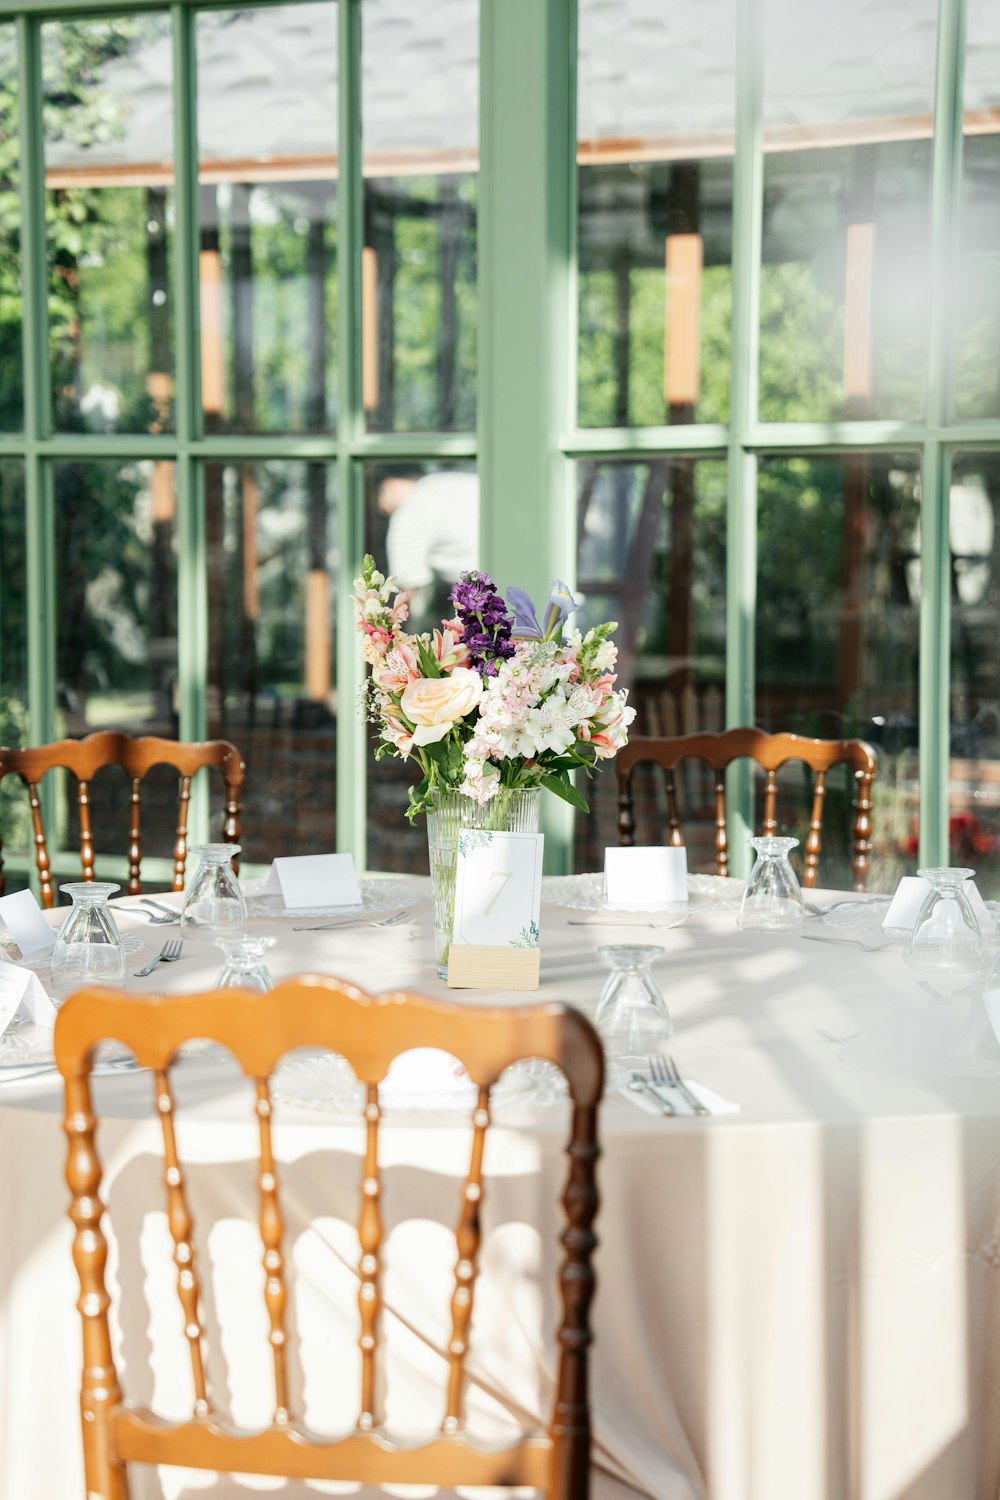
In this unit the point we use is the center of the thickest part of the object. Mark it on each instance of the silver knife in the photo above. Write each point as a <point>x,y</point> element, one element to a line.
<point>638,1082</point>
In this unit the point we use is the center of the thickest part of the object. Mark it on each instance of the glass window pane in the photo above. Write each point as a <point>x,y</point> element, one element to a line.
<point>656,120</point>
<point>974,779</point>
<point>116,597</point>
<point>13,606</point>
<point>848,107</point>
<point>15,819</point>
<point>977,284</point>
<point>267,131</point>
<point>420,109</point>
<point>272,565</point>
<point>651,554</point>
<point>11,359</point>
<point>421,525</point>
<point>838,598</point>
<point>109,206</point>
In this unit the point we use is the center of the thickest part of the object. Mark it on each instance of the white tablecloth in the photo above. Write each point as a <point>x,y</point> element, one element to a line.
<point>798,1302</point>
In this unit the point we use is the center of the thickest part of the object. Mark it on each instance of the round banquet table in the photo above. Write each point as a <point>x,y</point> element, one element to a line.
<point>798,1301</point>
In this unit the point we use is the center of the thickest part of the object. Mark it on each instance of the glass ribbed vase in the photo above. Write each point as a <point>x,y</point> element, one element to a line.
<point>510,811</point>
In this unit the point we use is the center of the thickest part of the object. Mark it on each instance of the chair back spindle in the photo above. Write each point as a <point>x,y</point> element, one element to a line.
<point>370,1240</point>
<point>271,1232</point>
<point>468,1236</point>
<point>181,1226</point>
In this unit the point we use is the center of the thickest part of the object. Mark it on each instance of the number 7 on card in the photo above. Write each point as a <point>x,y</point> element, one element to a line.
<point>498,885</point>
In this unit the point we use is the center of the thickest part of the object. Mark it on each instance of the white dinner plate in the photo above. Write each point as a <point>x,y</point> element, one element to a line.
<point>863,920</point>
<point>376,896</point>
<point>26,1045</point>
<point>586,893</point>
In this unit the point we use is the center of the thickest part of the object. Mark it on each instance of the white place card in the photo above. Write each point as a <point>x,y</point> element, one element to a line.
<point>28,927</point>
<point>498,893</point>
<point>22,995</point>
<point>909,898</point>
<point>645,879</point>
<point>315,880</point>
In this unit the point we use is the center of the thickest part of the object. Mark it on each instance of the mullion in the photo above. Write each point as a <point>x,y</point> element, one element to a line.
<point>935,593</point>
<point>192,561</point>
<point>38,487</point>
<point>352,766</point>
<point>741,463</point>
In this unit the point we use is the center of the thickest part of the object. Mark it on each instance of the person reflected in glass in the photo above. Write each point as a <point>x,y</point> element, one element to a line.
<point>433,536</point>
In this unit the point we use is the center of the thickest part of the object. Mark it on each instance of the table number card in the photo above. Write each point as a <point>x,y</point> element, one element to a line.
<point>498,893</point>
<point>315,880</point>
<point>645,879</point>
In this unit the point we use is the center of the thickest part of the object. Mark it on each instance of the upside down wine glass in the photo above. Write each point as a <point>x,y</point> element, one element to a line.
<point>772,901</point>
<point>632,1017</point>
<point>89,946</point>
<point>946,938</point>
<point>214,901</point>
<point>244,967</point>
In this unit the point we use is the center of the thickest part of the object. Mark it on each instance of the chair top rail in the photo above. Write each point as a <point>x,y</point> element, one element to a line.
<point>770,751</point>
<point>315,1010</point>
<point>86,756</point>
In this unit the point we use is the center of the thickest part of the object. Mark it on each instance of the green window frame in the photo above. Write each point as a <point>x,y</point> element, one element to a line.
<point>527,440</point>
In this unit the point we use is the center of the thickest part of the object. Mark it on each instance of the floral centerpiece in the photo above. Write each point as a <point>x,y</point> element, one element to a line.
<point>491,707</point>
<point>493,700</point>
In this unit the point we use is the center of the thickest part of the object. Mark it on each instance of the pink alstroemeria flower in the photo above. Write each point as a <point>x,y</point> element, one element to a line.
<point>398,669</point>
<point>448,648</point>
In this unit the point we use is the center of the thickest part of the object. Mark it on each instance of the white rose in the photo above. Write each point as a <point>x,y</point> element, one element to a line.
<point>434,704</point>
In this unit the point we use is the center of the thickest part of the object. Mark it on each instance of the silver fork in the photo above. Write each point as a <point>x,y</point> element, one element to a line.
<point>664,1072</point>
<point>171,911</point>
<point>170,951</point>
<point>397,916</point>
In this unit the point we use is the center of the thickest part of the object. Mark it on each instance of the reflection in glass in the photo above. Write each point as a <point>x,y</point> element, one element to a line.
<point>271,566</point>
<point>109,210</point>
<point>11,412</point>
<point>848,102</point>
<point>974,777</point>
<point>977,282</point>
<point>838,591</point>
<point>651,554</point>
<point>656,119</point>
<point>267,132</point>
<point>116,597</point>
<point>422,523</point>
<point>15,822</point>
<point>420,109</point>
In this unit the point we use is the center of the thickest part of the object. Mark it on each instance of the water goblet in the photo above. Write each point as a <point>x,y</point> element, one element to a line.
<point>632,1017</point>
<point>244,966</point>
<point>214,901</point>
<point>946,939</point>
<point>772,901</point>
<point>89,948</point>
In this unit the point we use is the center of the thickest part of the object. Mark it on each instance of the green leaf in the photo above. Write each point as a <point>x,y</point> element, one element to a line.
<point>428,661</point>
<point>566,791</point>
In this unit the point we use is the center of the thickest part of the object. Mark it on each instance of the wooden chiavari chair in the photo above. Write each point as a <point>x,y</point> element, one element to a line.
<point>84,758</point>
<point>770,752</point>
<point>258,1029</point>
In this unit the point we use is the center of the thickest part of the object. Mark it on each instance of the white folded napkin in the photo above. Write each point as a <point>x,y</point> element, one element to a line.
<point>714,1103</point>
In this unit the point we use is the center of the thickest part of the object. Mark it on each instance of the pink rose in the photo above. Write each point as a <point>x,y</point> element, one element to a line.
<point>434,704</point>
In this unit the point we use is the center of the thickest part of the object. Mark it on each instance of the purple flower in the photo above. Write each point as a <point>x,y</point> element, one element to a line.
<point>486,624</point>
<point>558,606</point>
